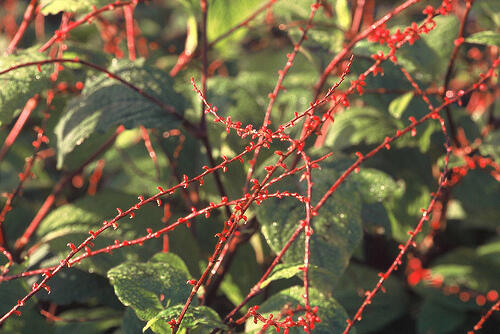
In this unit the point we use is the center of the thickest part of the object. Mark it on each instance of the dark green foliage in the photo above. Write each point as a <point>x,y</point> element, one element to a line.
<point>143,286</point>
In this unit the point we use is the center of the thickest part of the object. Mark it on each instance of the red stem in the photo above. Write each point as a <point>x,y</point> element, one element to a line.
<point>358,15</point>
<point>449,70</point>
<point>61,32</point>
<point>128,12</point>
<point>28,16</point>
<point>49,201</point>
<point>279,86</point>
<point>18,126</point>
<point>480,323</point>
<point>397,261</point>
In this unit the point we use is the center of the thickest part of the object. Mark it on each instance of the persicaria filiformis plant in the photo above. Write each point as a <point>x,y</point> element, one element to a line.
<point>257,166</point>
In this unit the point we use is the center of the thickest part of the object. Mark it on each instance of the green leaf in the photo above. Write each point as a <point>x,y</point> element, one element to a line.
<point>399,104</point>
<point>373,185</point>
<point>491,146</point>
<point>225,14</point>
<point>31,321</point>
<point>72,223</point>
<point>481,211</point>
<point>151,287</point>
<point>52,7</point>
<point>337,227</point>
<point>376,219</point>
<point>105,320</point>
<point>485,38</point>
<point>199,319</point>
<point>10,293</point>
<point>439,319</point>
<point>343,14</point>
<point>283,270</point>
<point>131,324</point>
<point>491,251</point>
<point>332,314</point>
<point>436,46</point>
<point>17,86</point>
<point>77,286</point>
<point>361,125</point>
<point>385,307</point>
<point>106,103</point>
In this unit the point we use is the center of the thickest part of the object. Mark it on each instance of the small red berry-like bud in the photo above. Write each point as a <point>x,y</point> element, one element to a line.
<point>459,41</point>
